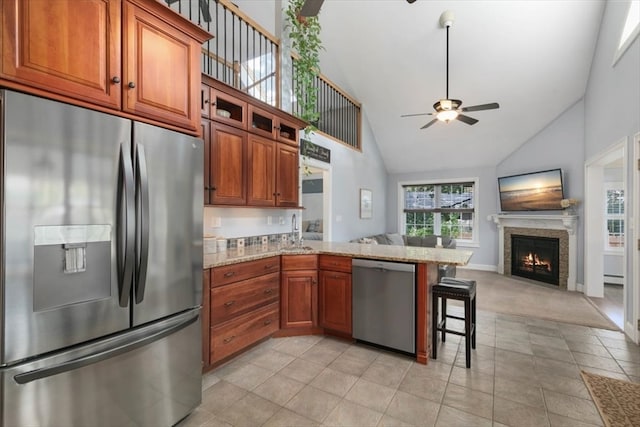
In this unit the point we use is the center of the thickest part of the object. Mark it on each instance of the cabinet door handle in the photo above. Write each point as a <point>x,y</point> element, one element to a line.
<point>131,85</point>
<point>267,322</point>
<point>213,188</point>
<point>207,188</point>
<point>228,340</point>
<point>268,291</point>
<point>229,274</point>
<point>269,266</point>
<point>115,79</point>
<point>314,282</point>
<point>229,303</point>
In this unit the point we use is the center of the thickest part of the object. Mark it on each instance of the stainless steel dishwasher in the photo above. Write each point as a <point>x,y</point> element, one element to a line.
<point>384,304</point>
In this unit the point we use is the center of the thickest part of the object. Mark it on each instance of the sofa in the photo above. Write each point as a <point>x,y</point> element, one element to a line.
<point>444,270</point>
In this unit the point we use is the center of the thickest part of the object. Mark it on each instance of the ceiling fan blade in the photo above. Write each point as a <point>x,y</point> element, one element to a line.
<point>429,124</point>
<point>418,114</point>
<point>481,107</point>
<point>311,7</point>
<point>466,119</point>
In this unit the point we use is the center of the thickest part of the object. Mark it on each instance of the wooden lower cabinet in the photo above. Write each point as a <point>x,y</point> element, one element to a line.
<point>299,293</point>
<point>232,336</point>
<point>335,301</point>
<point>243,307</point>
<point>299,299</point>
<point>335,293</point>
<point>204,316</point>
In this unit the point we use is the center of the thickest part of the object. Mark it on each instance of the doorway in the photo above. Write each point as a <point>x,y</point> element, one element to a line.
<point>605,238</point>
<point>316,199</point>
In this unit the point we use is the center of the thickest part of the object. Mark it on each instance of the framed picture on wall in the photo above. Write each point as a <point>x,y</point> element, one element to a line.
<point>366,204</point>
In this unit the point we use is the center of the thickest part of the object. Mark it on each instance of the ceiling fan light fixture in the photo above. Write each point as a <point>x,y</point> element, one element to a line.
<point>447,115</point>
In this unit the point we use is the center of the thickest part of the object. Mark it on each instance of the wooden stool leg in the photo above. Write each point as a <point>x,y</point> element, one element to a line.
<point>473,321</point>
<point>444,318</point>
<point>434,326</point>
<point>467,330</point>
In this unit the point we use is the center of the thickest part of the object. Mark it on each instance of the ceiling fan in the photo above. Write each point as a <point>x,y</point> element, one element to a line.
<point>449,109</point>
<point>311,7</point>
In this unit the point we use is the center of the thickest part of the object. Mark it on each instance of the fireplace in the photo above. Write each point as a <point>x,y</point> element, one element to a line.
<point>536,258</point>
<point>561,227</point>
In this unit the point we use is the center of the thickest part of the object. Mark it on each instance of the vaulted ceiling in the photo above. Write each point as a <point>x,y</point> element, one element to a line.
<point>532,57</point>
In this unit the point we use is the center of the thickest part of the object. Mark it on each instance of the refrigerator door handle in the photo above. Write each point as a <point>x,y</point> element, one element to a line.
<point>38,374</point>
<point>142,209</point>
<point>125,212</point>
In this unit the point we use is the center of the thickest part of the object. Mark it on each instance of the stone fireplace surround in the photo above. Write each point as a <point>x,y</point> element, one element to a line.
<point>562,227</point>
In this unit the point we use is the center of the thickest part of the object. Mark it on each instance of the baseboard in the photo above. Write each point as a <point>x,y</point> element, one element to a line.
<point>613,280</point>
<point>482,267</point>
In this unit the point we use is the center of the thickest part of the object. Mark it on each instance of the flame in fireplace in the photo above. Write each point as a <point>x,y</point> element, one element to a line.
<point>532,260</point>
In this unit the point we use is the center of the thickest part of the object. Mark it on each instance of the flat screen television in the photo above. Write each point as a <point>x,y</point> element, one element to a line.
<point>535,191</point>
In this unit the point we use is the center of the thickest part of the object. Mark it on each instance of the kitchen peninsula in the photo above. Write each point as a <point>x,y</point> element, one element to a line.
<point>272,290</point>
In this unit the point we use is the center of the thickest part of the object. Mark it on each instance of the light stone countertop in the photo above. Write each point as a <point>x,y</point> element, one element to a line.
<point>354,250</point>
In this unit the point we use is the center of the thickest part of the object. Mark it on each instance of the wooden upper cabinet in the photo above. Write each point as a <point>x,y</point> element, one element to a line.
<point>261,171</point>
<point>228,109</point>
<point>136,56</point>
<point>206,138</point>
<point>161,77</point>
<point>227,171</point>
<point>287,175</point>
<point>262,122</point>
<point>69,47</point>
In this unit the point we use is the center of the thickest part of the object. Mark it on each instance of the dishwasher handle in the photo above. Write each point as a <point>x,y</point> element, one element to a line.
<point>383,265</point>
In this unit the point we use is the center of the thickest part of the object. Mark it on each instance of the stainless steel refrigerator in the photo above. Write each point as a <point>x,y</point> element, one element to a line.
<point>101,268</point>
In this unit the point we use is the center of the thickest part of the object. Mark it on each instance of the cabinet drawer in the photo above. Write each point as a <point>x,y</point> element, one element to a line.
<point>242,331</point>
<point>335,263</point>
<point>244,270</point>
<point>299,262</point>
<point>237,298</point>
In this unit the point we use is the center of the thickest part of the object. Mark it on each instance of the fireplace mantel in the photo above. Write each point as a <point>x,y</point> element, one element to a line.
<point>569,223</point>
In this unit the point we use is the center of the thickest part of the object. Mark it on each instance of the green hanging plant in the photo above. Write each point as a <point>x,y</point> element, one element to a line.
<point>304,33</point>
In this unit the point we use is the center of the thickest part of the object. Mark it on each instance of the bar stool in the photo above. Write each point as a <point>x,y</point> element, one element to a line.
<point>459,289</point>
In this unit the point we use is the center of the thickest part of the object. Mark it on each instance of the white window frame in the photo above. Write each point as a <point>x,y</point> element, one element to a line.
<point>616,250</point>
<point>475,241</point>
<point>623,45</point>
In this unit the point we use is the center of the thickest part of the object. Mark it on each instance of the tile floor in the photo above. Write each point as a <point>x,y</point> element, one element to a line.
<point>524,372</point>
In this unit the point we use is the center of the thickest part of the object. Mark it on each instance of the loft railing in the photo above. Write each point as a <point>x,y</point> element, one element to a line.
<point>339,113</point>
<point>244,55</point>
<point>241,53</point>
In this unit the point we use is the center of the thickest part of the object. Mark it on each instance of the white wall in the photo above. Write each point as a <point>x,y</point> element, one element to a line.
<point>351,171</point>
<point>243,222</point>
<point>559,145</point>
<point>612,106</point>
<point>485,256</point>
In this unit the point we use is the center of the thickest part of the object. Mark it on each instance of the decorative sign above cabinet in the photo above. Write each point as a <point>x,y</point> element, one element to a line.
<point>315,151</point>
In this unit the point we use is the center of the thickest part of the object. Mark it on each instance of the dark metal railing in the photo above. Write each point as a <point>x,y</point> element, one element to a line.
<point>339,114</point>
<point>244,55</point>
<point>241,53</point>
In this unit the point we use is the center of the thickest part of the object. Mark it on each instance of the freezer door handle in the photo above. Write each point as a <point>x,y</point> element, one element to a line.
<point>38,374</point>
<point>142,219</point>
<point>125,226</point>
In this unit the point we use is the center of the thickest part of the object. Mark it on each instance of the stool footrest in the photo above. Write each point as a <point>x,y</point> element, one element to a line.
<point>455,317</point>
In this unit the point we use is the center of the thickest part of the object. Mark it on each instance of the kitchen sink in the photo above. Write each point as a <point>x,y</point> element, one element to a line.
<point>296,249</point>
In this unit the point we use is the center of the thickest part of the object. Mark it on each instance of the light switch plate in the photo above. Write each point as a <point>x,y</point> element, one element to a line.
<point>240,243</point>
<point>265,240</point>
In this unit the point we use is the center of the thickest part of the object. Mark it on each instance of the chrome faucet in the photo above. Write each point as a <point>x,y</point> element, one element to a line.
<point>294,229</point>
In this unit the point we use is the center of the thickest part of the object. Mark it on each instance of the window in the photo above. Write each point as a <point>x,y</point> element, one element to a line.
<point>614,217</point>
<point>630,30</point>
<point>443,209</point>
